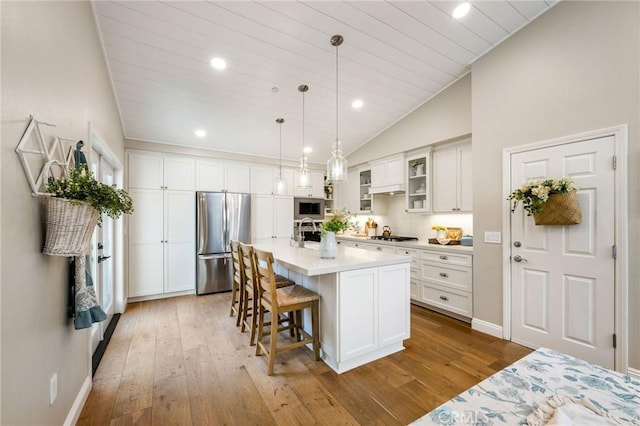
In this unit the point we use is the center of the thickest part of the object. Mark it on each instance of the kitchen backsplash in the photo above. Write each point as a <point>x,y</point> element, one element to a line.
<point>392,209</point>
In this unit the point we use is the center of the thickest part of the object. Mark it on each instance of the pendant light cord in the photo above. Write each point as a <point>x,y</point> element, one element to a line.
<point>337,133</point>
<point>280,149</point>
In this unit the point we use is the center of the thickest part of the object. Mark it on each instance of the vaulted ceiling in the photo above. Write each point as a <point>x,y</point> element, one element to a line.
<point>395,56</point>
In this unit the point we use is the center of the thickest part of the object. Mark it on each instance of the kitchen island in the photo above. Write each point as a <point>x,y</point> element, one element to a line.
<point>364,300</point>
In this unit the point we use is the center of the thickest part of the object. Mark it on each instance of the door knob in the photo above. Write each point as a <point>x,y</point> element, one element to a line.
<point>519,258</point>
<point>102,258</point>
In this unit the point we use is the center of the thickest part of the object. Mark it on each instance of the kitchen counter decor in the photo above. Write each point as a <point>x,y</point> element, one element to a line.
<point>550,202</point>
<point>75,206</point>
<point>340,222</point>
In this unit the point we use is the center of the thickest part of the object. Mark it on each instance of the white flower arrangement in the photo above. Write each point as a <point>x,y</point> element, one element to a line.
<point>535,193</point>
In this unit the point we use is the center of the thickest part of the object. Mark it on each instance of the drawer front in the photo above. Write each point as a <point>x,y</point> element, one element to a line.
<point>414,291</point>
<point>345,243</point>
<point>382,249</point>
<point>452,276</point>
<point>415,255</point>
<point>448,258</point>
<point>365,246</point>
<point>458,302</point>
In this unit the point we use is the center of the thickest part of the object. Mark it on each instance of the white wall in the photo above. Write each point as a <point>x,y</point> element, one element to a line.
<point>574,69</point>
<point>447,116</point>
<point>53,68</point>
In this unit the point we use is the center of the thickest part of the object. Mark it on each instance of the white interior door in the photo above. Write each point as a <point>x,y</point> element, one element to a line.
<point>101,255</point>
<point>563,288</point>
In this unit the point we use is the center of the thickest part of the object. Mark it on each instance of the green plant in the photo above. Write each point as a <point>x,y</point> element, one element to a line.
<point>81,186</point>
<point>340,222</point>
<point>416,162</point>
<point>535,193</point>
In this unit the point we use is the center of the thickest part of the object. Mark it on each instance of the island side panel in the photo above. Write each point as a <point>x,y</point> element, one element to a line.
<point>394,317</point>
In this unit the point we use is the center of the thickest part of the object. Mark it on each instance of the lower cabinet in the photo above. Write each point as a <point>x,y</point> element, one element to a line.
<point>439,280</point>
<point>373,308</point>
<point>445,282</point>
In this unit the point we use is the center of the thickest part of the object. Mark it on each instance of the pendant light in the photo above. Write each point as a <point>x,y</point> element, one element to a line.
<point>336,164</point>
<point>303,180</point>
<point>280,183</point>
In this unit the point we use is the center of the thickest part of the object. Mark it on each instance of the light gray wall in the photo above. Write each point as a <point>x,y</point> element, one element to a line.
<point>53,68</point>
<point>446,116</point>
<point>574,69</point>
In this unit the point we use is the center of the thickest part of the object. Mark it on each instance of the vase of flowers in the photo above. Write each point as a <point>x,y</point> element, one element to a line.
<point>549,201</point>
<point>441,231</point>
<point>340,222</point>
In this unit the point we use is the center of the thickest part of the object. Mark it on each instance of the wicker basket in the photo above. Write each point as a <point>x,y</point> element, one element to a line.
<point>69,227</point>
<point>560,209</point>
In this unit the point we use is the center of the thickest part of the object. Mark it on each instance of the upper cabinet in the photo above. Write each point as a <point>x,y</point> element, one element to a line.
<point>316,188</point>
<point>216,175</point>
<point>151,170</point>
<point>365,196</point>
<point>418,187</point>
<point>263,179</point>
<point>452,178</point>
<point>387,174</point>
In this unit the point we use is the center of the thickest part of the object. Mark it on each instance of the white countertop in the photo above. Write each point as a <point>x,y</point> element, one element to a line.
<point>307,260</point>
<point>410,244</point>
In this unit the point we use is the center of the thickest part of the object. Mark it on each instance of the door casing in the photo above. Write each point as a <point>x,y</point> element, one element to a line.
<point>620,135</point>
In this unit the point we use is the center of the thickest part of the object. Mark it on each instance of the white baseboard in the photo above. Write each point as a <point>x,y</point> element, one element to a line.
<point>633,373</point>
<point>486,327</point>
<point>78,404</point>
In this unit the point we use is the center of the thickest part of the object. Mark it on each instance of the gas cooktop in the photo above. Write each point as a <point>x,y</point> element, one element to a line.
<point>394,238</point>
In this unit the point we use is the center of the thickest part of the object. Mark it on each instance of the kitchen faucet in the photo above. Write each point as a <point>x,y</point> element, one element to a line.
<point>300,237</point>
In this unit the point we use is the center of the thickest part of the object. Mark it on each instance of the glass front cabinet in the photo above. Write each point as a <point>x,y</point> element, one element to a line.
<point>418,184</point>
<point>366,198</point>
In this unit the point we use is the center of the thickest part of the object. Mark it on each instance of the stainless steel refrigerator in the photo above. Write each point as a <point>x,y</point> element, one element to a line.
<point>220,218</point>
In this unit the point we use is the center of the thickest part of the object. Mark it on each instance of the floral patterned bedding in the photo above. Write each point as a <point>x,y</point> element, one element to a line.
<point>526,386</point>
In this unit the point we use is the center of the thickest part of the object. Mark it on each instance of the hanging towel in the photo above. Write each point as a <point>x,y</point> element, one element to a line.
<point>88,309</point>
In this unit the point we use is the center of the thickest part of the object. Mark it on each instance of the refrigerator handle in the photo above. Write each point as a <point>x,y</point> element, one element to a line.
<point>225,219</point>
<point>202,227</point>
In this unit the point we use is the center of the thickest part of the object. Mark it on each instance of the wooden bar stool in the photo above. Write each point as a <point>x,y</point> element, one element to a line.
<point>249,291</point>
<point>236,285</point>
<point>293,298</point>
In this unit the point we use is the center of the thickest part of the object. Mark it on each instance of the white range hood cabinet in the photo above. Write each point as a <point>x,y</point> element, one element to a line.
<point>388,175</point>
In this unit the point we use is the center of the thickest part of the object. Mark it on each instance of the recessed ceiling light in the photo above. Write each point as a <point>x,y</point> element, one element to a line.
<point>461,10</point>
<point>201,133</point>
<point>357,104</point>
<point>218,63</point>
<point>307,149</point>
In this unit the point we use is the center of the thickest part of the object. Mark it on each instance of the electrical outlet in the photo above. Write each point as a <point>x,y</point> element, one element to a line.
<point>492,237</point>
<point>53,388</point>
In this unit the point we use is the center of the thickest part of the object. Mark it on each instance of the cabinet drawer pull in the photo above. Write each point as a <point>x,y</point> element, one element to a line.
<point>379,248</point>
<point>443,257</point>
<point>445,298</point>
<point>444,275</point>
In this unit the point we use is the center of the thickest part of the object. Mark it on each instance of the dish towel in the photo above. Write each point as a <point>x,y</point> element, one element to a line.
<point>88,309</point>
<point>566,411</point>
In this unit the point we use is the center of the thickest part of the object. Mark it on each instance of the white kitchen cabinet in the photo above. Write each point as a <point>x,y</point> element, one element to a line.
<point>369,301</point>
<point>452,178</point>
<point>161,242</point>
<point>263,179</point>
<point>162,227</point>
<point>316,188</point>
<point>445,282</point>
<point>216,175</point>
<point>150,170</point>
<point>365,196</point>
<point>388,174</point>
<point>271,217</point>
<point>418,183</point>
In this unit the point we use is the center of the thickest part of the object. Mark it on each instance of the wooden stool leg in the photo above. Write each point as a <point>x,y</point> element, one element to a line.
<point>245,310</point>
<point>254,320</point>
<point>240,303</point>
<point>315,330</point>
<point>233,299</point>
<point>260,314</point>
<point>272,344</point>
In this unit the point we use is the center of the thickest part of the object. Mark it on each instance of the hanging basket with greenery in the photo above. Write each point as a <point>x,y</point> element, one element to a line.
<point>550,202</point>
<point>76,205</point>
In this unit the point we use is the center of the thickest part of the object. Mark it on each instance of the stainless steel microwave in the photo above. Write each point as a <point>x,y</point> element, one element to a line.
<point>312,208</point>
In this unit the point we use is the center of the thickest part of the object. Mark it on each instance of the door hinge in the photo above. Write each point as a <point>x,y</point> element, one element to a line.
<point>615,341</point>
<point>614,251</point>
<point>615,162</point>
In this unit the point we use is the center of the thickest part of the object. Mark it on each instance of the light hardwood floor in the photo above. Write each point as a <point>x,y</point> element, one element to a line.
<point>182,361</point>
